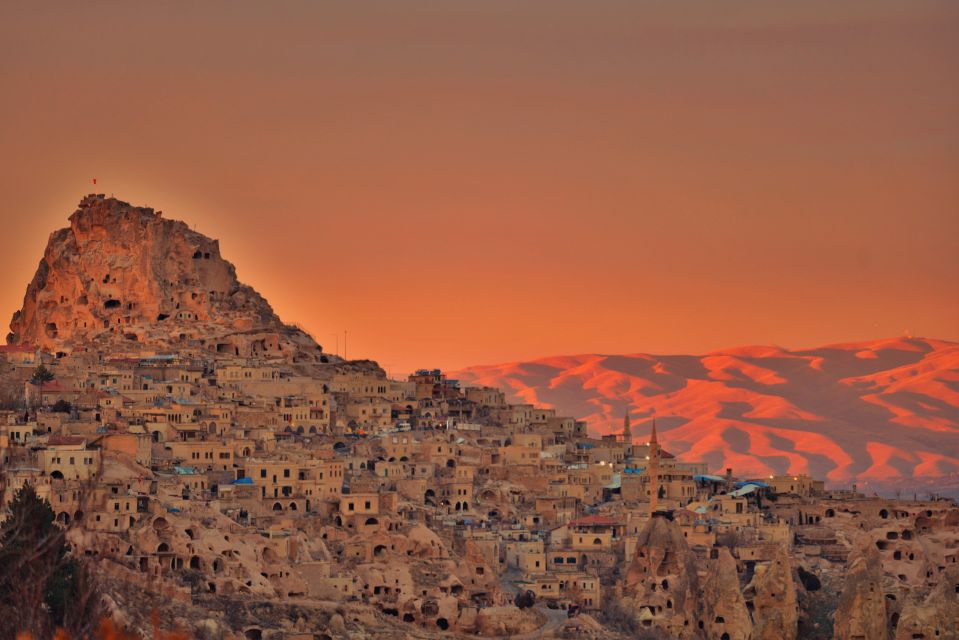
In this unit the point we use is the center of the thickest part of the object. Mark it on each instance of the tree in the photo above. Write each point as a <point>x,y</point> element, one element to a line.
<point>524,599</point>
<point>41,376</point>
<point>62,406</point>
<point>42,587</point>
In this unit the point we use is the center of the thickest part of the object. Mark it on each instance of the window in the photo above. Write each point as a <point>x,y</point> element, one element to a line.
<point>368,505</point>
<point>262,473</point>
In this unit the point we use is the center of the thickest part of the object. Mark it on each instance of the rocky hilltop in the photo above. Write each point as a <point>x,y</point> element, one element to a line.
<point>127,278</point>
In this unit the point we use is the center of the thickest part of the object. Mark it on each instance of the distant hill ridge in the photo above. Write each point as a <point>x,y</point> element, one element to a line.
<point>868,411</point>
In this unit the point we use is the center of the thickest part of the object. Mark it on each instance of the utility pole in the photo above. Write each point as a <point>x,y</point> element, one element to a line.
<point>344,345</point>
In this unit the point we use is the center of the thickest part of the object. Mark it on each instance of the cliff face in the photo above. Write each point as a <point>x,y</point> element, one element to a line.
<point>124,274</point>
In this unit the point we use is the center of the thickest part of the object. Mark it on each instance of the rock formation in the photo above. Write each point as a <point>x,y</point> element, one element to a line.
<point>772,597</point>
<point>937,615</point>
<point>661,582</point>
<point>125,276</point>
<point>862,610</point>
<point>725,613</point>
<point>502,622</point>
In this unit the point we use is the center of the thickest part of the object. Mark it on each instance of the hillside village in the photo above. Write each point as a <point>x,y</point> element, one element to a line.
<point>230,472</point>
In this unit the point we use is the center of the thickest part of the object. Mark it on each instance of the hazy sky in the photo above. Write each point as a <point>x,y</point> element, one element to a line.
<point>459,183</point>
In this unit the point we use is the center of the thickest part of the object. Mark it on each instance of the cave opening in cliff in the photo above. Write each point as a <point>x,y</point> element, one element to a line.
<point>111,304</point>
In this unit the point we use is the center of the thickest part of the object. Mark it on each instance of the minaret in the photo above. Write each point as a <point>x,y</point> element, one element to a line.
<point>627,439</point>
<point>653,471</point>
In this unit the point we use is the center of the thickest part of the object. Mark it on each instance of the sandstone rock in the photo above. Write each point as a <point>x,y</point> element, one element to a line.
<point>337,625</point>
<point>124,276</point>
<point>725,614</point>
<point>582,627</point>
<point>935,616</point>
<point>505,621</point>
<point>661,582</point>
<point>862,610</point>
<point>772,594</point>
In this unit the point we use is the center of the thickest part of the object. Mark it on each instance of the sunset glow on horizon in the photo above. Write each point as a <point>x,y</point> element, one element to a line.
<point>456,184</point>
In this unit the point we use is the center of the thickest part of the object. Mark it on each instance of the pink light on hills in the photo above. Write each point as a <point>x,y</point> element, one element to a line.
<point>872,410</point>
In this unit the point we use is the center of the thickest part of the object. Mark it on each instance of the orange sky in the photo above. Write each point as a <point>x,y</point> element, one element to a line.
<point>459,183</point>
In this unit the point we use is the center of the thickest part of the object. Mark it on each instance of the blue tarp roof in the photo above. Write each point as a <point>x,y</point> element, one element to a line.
<point>708,478</point>
<point>243,481</point>
<point>184,471</point>
<point>761,485</point>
